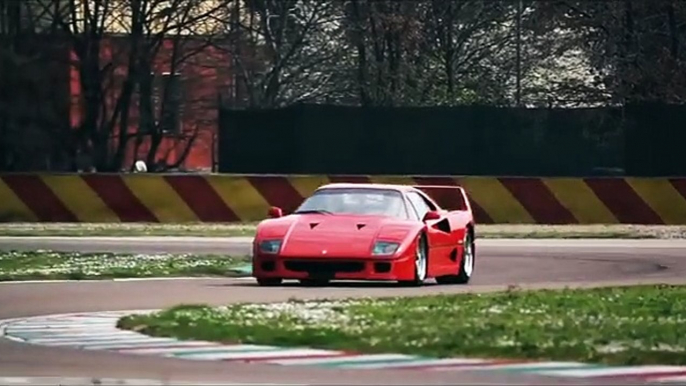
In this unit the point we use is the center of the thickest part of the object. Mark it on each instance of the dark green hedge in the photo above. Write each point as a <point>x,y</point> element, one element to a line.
<point>466,140</point>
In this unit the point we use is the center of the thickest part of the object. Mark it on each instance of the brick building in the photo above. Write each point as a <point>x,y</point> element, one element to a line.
<point>38,123</point>
<point>195,89</point>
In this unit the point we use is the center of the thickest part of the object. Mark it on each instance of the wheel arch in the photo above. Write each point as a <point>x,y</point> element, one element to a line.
<point>424,236</point>
<point>470,230</point>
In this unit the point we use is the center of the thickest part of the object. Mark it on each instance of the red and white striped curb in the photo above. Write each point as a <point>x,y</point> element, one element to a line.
<point>98,331</point>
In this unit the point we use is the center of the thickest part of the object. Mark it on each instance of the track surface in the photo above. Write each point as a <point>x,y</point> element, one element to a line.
<point>528,263</point>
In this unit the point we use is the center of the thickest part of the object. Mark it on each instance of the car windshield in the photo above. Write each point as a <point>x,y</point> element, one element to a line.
<point>355,201</point>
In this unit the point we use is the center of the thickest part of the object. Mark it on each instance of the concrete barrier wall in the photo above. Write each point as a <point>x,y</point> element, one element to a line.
<point>230,198</point>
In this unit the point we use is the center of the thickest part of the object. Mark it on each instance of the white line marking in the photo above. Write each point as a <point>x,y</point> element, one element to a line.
<point>353,358</point>
<point>71,319</point>
<point>48,325</point>
<point>86,343</point>
<point>125,279</point>
<point>678,378</point>
<point>123,347</point>
<point>15,339</point>
<point>77,314</point>
<point>76,334</point>
<point>620,371</point>
<point>420,363</point>
<point>36,331</point>
<point>83,336</point>
<point>128,239</point>
<point>88,339</point>
<point>255,355</point>
<point>513,366</point>
<point>584,243</point>
<point>43,326</point>
<point>69,381</point>
<point>61,326</point>
<point>237,348</point>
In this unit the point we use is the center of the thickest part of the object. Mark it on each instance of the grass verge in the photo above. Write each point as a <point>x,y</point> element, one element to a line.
<point>624,325</point>
<point>248,229</point>
<point>127,229</point>
<point>47,265</point>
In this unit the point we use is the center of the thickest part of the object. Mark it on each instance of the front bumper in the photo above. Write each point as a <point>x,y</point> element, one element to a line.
<point>381,269</point>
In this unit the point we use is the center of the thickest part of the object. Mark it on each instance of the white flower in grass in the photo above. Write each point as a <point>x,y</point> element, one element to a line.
<point>495,310</point>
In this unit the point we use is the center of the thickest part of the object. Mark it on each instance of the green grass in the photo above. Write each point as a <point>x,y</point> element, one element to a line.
<point>625,325</point>
<point>126,229</point>
<point>44,265</point>
<point>248,229</point>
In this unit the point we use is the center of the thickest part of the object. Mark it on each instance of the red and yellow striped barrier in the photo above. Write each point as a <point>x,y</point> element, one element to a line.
<point>230,198</point>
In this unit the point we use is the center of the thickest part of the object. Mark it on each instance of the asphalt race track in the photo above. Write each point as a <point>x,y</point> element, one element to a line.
<point>527,263</point>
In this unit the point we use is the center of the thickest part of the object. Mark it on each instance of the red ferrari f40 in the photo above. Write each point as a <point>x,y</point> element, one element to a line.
<point>353,231</point>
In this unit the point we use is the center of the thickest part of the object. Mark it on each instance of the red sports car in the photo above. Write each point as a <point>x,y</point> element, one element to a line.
<point>358,231</point>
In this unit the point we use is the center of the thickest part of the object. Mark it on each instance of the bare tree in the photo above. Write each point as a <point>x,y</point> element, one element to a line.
<point>634,48</point>
<point>284,51</point>
<point>471,41</point>
<point>386,38</point>
<point>116,44</point>
<point>34,126</point>
<point>184,34</point>
<point>430,52</point>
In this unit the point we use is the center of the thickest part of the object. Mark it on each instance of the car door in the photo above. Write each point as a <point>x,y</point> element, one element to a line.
<point>441,242</point>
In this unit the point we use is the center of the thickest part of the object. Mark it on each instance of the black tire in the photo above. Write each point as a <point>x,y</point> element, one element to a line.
<point>269,281</point>
<point>422,253</point>
<point>465,272</point>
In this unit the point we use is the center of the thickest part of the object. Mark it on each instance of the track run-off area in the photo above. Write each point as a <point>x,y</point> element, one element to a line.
<point>500,263</point>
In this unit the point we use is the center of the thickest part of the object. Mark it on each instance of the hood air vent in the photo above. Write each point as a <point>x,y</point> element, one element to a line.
<point>360,226</point>
<point>313,225</point>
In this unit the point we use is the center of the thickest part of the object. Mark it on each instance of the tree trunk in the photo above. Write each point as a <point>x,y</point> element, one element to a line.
<point>673,31</point>
<point>91,83</point>
<point>361,56</point>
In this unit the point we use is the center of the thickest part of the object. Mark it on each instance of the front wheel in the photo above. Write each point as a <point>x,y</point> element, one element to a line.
<point>466,268</point>
<point>421,263</point>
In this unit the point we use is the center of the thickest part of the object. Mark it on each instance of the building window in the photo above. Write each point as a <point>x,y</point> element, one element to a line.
<point>169,99</point>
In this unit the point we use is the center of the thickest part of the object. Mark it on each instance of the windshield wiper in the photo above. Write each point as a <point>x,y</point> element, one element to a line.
<point>322,211</point>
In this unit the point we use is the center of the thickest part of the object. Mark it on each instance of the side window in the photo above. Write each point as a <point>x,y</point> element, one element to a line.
<point>411,208</point>
<point>420,206</point>
<point>427,201</point>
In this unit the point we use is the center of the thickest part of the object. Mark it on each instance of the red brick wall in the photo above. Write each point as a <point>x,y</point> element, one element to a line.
<point>204,76</point>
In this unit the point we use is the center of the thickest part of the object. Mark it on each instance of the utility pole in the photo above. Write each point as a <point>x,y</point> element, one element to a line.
<point>518,60</point>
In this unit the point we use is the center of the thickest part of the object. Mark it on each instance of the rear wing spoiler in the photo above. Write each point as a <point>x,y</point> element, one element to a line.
<point>447,197</point>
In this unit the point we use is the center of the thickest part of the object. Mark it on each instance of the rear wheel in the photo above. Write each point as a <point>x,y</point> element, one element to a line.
<point>269,281</point>
<point>421,263</point>
<point>466,268</point>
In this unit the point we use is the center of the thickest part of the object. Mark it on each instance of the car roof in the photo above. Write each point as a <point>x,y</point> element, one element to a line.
<point>357,185</point>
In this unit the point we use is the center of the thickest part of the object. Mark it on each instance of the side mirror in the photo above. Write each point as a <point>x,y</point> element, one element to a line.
<point>275,212</point>
<point>432,215</point>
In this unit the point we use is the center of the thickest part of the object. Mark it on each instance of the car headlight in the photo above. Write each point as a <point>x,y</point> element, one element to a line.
<point>270,246</point>
<point>384,248</point>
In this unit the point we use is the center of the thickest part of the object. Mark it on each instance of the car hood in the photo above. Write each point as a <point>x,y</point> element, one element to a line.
<point>322,235</point>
